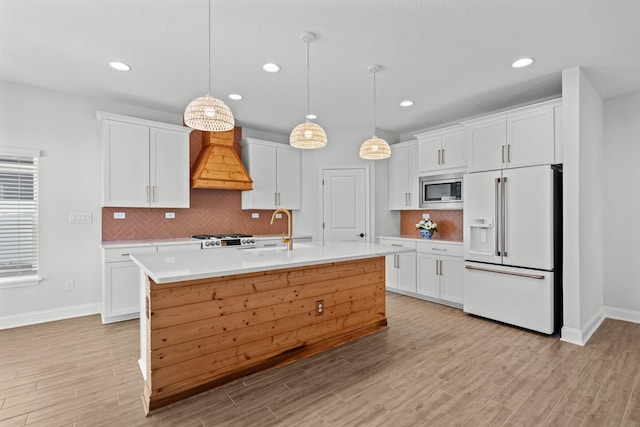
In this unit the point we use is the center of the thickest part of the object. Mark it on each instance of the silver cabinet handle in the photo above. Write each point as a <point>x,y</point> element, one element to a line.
<point>497,228</point>
<point>508,273</point>
<point>509,153</point>
<point>437,269</point>
<point>442,156</point>
<point>153,193</point>
<point>439,249</point>
<point>441,273</point>
<point>503,154</point>
<point>439,157</point>
<point>275,199</point>
<point>395,244</point>
<point>278,199</point>
<point>503,219</point>
<point>409,204</point>
<point>267,245</point>
<point>146,190</point>
<point>398,260</point>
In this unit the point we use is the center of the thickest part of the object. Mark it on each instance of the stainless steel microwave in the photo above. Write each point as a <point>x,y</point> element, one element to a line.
<point>441,192</point>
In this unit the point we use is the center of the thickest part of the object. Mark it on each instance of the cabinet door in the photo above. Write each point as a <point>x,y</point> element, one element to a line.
<point>488,145</point>
<point>413,185</point>
<point>530,139</point>
<point>452,279</point>
<point>121,292</point>
<point>125,157</point>
<point>398,178</point>
<point>288,178</point>
<point>169,169</point>
<point>390,272</point>
<point>261,165</point>
<point>454,150</point>
<point>429,154</point>
<point>428,280</point>
<point>406,267</point>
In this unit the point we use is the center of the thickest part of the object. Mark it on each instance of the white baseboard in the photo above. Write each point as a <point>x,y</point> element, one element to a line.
<point>49,315</point>
<point>593,325</point>
<point>581,336</point>
<point>571,335</point>
<point>622,314</point>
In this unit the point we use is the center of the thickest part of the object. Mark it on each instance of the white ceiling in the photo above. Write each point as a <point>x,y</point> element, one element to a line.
<point>451,57</point>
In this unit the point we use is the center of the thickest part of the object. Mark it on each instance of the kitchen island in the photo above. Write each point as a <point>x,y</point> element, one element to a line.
<point>211,316</point>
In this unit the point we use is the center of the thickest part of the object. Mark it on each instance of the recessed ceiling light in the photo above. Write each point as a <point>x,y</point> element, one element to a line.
<point>311,116</point>
<point>235,97</point>
<point>406,103</point>
<point>120,66</point>
<point>271,67</point>
<point>522,62</point>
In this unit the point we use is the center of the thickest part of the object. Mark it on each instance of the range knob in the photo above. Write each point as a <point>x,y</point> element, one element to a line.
<point>253,240</point>
<point>217,243</point>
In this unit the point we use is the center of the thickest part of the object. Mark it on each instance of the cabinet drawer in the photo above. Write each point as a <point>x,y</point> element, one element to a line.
<point>179,248</point>
<point>122,254</point>
<point>440,248</point>
<point>394,242</point>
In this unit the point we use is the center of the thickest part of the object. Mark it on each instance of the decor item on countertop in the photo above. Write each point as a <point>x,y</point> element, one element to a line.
<point>206,112</point>
<point>427,228</point>
<point>375,148</point>
<point>308,135</point>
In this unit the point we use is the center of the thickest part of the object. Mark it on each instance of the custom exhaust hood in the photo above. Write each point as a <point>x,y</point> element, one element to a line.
<point>218,165</point>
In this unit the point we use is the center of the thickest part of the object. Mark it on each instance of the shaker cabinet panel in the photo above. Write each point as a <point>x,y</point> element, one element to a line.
<point>488,141</point>
<point>403,177</point>
<point>276,174</point>
<point>144,163</point>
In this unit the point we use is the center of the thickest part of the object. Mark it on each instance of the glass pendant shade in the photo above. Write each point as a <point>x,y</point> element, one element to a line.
<point>308,135</point>
<point>209,114</point>
<point>375,149</point>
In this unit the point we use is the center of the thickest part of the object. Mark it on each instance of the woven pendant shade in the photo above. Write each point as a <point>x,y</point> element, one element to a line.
<point>308,135</point>
<point>208,114</point>
<point>375,149</point>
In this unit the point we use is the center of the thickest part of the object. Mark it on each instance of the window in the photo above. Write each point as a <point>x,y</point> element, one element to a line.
<point>18,216</point>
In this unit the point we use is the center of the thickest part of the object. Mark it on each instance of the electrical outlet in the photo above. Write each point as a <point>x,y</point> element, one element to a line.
<point>425,216</point>
<point>255,215</point>
<point>278,215</point>
<point>118,215</point>
<point>68,285</point>
<point>169,215</point>
<point>319,308</point>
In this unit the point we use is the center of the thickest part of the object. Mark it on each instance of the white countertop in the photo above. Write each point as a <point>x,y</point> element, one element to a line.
<point>412,237</point>
<point>168,267</point>
<point>115,244</point>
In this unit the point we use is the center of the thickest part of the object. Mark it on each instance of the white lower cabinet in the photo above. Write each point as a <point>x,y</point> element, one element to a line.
<point>400,269</point>
<point>121,282</point>
<point>440,272</point>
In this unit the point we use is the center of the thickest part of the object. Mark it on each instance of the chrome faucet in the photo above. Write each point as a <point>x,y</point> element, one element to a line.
<point>289,239</point>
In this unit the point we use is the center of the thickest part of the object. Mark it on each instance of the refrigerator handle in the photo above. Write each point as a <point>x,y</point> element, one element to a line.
<point>497,217</point>
<point>509,273</point>
<point>503,218</point>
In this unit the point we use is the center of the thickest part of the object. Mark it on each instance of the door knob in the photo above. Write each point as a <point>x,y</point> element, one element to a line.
<point>360,235</point>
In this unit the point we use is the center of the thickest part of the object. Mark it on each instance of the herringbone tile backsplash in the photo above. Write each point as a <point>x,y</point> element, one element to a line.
<point>211,212</point>
<point>449,223</point>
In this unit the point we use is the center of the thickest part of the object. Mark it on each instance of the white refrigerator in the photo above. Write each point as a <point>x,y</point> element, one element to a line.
<point>512,246</point>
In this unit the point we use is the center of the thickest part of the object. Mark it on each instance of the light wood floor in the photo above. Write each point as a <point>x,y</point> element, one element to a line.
<point>433,366</point>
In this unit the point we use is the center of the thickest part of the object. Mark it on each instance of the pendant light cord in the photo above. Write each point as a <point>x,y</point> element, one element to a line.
<point>307,117</point>
<point>209,44</point>
<point>374,104</point>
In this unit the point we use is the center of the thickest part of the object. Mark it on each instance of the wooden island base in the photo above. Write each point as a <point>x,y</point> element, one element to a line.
<point>203,333</point>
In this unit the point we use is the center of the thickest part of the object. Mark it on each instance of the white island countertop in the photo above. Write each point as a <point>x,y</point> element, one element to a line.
<point>169,267</point>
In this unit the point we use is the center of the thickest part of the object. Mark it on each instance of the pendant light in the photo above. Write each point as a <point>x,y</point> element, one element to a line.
<point>308,135</point>
<point>206,112</point>
<point>375,148</point>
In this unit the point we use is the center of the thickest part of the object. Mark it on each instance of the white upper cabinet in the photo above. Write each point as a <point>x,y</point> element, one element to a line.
<point>403,176</point>
<point>444,149</point>
<point>275,170</point>
<point>516,138</point>
<point>144,163</point>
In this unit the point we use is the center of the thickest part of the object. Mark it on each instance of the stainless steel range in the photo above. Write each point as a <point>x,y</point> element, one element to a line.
<point>212,241</point>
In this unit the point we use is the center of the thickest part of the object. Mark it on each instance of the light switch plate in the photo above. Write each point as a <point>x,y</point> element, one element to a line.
<point>118,215</point>
<point>80,218</point>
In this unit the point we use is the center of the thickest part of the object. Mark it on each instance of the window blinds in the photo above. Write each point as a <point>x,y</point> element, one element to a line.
<point>18,215</point>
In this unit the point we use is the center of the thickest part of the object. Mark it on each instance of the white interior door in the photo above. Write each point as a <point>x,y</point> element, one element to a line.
<point>344,205</point>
